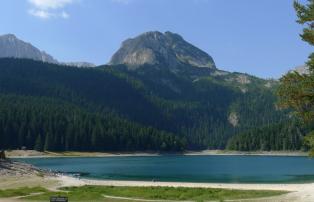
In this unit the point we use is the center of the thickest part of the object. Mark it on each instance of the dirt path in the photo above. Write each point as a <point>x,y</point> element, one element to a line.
<point>139,199</point>
<point>9,200</point>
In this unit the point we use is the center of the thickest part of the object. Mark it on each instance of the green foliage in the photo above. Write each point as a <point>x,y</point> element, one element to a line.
<point>295,92</point>
<point>21,191</point>
<point>309,141</point>
<point>305,15</point>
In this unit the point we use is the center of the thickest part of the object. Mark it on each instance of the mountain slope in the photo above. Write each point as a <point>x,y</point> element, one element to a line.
<point>156,48</point>
<point>161,106</point>
<point>12,47</point>
<point>44,123</point>
<point>74,109</point>
<point>200,114</point>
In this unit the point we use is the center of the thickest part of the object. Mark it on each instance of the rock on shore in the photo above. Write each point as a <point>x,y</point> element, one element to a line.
<point>13,168</point>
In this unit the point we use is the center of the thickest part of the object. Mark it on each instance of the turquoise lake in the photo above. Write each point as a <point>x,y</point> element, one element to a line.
<point>228,169</point>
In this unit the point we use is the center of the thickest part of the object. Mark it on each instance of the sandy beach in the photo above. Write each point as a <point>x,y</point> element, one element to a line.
<point>298,192</point>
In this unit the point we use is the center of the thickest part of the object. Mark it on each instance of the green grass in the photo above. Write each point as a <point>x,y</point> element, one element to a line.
<point>21,191</point>
<point>96,193</point>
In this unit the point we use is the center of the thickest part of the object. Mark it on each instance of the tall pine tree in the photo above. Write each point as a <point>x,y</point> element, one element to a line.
<point>296,90</point>
<point>39,144</point>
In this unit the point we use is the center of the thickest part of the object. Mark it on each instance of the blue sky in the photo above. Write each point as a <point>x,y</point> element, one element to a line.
<point>252,36</point>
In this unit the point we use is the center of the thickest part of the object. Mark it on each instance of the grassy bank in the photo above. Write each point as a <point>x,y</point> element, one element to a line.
<point>108,193</point>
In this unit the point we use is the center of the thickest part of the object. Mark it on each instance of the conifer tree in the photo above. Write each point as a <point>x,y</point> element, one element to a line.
<point>296,90</point>
<point>38,144</point>
<point>47,146</point>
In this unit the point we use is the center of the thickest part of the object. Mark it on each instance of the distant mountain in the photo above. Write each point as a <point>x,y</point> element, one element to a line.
<point>12,47</point>
<point>79,64</point>
<point>156,48</point>
<point>302,69</point>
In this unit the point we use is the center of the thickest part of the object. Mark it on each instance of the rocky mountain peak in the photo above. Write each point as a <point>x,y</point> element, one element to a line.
<point>11,46</point>
<point>167,49</point>
<point>9,36</point>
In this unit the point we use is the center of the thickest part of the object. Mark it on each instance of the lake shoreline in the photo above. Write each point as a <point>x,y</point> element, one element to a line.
<point>68,181</point>
<point>36,154</point>
<point>53,181</point>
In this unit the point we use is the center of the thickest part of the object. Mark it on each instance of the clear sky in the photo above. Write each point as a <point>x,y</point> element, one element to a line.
<point>259,37</point>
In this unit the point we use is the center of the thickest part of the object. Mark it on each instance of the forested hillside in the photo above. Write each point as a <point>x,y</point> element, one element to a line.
<point>48,124</point>
<point>280,136</point>
<point>110,108</point>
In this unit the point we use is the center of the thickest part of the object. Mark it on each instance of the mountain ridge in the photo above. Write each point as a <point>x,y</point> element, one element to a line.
<point>156,48</point>
<point>13,47</point>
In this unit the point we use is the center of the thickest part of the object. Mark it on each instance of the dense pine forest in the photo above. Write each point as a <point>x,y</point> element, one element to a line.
<point>111,108</point>
<point>48,124</point>
<point>281,136</point>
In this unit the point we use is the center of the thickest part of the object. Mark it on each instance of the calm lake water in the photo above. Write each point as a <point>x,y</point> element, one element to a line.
<point>231,169</point>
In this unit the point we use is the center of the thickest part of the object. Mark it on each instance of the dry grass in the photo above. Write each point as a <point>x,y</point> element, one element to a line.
<point>13,182</point>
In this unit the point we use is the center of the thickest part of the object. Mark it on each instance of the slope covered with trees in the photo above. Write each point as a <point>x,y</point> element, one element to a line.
<point>48,124</point>
<point>47,106</point>
<point>281,136</point>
